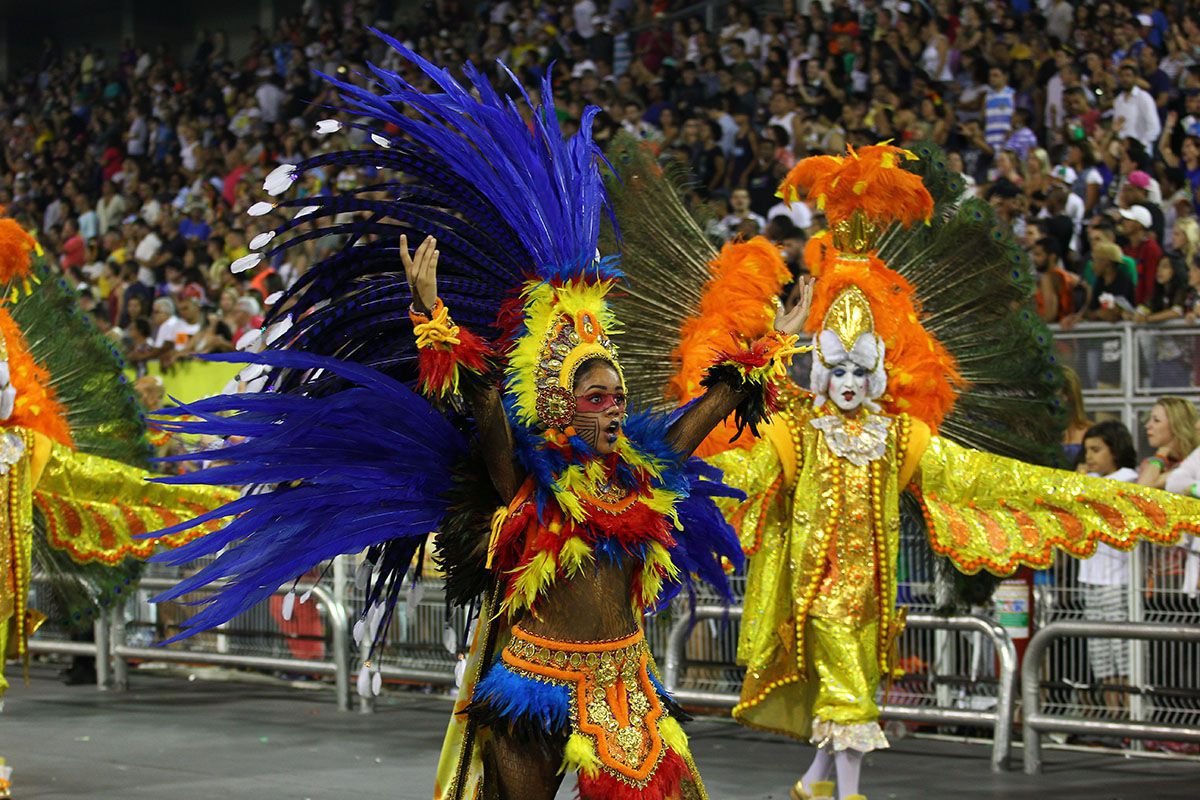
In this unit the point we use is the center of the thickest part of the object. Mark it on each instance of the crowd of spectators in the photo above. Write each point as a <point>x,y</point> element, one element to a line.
<point>1078,121</point>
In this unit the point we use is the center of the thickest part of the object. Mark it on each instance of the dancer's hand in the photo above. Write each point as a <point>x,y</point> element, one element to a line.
<point>421,270</point>
<point>791,316</point>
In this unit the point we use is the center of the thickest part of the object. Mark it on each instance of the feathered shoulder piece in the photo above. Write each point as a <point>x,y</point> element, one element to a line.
<point>737,306</point>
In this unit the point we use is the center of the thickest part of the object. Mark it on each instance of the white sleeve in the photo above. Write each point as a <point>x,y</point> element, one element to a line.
<point>1150,122</point>
<point>1181,479</point>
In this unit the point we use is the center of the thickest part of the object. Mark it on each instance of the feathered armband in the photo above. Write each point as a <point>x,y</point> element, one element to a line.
<point>445,351</point>
<point>753,371</point>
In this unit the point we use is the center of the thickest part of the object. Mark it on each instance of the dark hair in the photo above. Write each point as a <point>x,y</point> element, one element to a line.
<point>1050,245</point>
<point>142,325</point>
<point>1118,440</point>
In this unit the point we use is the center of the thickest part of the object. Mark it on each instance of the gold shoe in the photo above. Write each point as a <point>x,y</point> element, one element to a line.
<point>857,797</point>
<point>821,790</point>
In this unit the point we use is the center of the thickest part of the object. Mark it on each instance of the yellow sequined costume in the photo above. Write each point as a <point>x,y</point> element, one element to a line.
<point>95,508</point>
<point>823,533</point>
<point>819,612</point>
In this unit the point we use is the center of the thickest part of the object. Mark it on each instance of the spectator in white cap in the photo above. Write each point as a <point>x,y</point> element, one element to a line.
<point>1141,246</point>
<point>1073,206</point>
<point>247,315</point>
<point>1138,190</point>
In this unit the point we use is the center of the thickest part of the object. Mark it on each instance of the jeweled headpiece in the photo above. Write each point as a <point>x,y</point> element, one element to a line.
<point>849,318</point>
<point>572,340</point>
<point>565,327</point>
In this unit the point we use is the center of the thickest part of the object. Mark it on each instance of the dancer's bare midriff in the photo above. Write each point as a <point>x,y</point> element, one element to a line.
<point>593,605</point>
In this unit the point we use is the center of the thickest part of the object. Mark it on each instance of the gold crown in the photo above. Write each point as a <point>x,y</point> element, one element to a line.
<point>849,316</point>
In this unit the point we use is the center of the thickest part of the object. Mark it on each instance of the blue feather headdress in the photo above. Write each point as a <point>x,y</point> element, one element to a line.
<point>338,453</point>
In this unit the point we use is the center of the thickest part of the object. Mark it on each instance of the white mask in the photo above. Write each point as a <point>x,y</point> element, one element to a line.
<point>848,385</point>
<point>8,395</point>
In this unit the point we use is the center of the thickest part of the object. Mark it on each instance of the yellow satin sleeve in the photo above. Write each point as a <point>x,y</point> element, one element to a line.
<point>989,512</point>
<point>95,507</point>
<point>759,472</point>
<point>40,457</point>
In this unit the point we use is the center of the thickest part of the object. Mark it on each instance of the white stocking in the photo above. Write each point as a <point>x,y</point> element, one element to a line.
<point>849,765</point>
<point>822,766</point>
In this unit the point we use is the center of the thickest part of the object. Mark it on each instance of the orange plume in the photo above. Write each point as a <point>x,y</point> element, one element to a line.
<point>870,180</point>
<point>36,406</point>
<point>16,247</point>
<point>737,304</point>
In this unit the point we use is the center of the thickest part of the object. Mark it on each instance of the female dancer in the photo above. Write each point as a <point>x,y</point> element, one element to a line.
<point>597,515</point>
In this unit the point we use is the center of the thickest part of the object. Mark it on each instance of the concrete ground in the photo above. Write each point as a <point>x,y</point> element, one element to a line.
<point>181,737</point>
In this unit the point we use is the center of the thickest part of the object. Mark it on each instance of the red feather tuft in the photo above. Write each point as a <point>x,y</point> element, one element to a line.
<point>665,784</point>
<point>439,367</point>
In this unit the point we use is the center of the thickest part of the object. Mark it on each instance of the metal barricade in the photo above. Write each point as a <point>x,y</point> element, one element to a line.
<point>43,644</point>
<point>999,719</point>
<point>1036,721</point>
<point>213,647</point>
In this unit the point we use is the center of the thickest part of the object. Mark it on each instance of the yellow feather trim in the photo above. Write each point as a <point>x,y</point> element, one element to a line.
<point>533,579</point>
<point>673,735</point>
<point>658,564</point>
<point>574,555</point>
<point>580,755</point>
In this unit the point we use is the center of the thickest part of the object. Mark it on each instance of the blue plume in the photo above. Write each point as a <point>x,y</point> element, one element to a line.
<point>514,697</point>
<point>330,476</point>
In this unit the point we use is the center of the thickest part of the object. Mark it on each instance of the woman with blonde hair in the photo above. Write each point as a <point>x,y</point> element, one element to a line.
<point>1171,431</point>
<point>1077,418</point>
<point>1037,178</point>
<point>1185,238</point>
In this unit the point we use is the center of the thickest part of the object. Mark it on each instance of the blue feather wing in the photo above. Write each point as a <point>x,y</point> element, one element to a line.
<point>366,468</point>
<point>707,542</point>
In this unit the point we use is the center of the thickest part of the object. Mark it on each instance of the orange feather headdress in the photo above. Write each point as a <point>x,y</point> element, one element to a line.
<point>862,194</point>
<point>870,183</point>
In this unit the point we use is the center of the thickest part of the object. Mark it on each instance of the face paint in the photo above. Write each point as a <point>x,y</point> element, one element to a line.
<point>599,408</point>
<point>848,385</point>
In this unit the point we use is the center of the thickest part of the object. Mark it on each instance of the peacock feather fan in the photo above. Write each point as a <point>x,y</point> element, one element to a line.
<point>689,299</point>
<point>973,284</point>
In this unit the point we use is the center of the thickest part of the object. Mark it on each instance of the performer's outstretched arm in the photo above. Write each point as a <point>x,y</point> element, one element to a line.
<point>454,360</point>
<point>739,382</point>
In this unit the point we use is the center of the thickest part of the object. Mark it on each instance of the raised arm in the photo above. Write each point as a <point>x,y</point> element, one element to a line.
<point>739,382</point>
<point>455,361</point>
